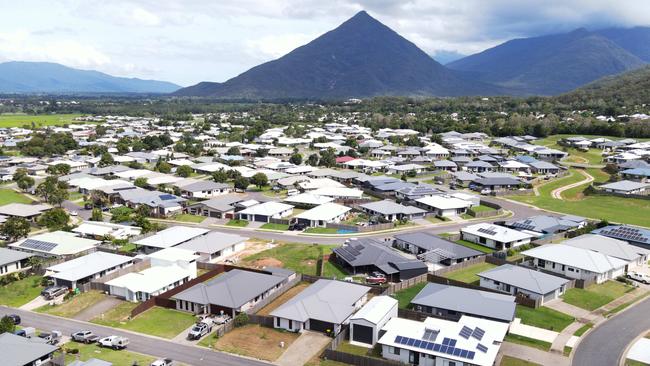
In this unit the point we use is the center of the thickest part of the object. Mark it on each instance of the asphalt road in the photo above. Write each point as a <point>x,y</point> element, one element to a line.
<point>143,344</point>
<point>604,346</point>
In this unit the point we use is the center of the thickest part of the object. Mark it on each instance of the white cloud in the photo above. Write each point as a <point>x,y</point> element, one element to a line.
<point>144,17</point>
<point>274,46</point>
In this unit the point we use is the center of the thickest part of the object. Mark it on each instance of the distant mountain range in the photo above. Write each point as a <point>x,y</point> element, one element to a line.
<point>360,58</point>
<point>630,88</point>
<point>558,63</point>
<point>46,77</point>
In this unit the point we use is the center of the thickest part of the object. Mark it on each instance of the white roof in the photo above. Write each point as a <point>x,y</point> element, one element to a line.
<point>106,228</point>
<point>612,247</point>
<point>151,279</point>
<point>495,232</point>
<point>181,162</point>
<point>134,173</point>
<point>56,243</point>
<point>376,309</point>
<point>444,202</point>
<point>267,209</point>
<point>494,332</point>
<point>308,198</point>
<point>301,169</point>
<point>338,192</point>
<point>576,257</point>
<point>316,183</point>
<point>174,254</point>
<point>171,236</point>
<point>326,211</point>
<point>87,265</point>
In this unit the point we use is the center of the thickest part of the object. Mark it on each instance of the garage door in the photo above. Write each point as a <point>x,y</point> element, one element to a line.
<point>320,326</point>
<point>550,296</point>
<point>362,333</point>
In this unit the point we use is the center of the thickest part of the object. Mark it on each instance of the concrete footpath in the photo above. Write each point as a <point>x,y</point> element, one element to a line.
<point>303,349</point>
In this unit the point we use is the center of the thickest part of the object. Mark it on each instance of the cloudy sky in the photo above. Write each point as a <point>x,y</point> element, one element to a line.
<point>187,41</point>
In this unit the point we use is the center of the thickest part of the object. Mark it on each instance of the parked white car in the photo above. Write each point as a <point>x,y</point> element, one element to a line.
<point>114,342</point>
<point>641,277</point>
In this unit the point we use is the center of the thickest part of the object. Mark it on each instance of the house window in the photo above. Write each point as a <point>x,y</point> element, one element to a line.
<point>277,322</point>
<point>393,350</point>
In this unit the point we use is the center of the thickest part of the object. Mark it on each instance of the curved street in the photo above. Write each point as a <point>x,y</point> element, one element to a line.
<point>557,193</point>
<point>605,345</point>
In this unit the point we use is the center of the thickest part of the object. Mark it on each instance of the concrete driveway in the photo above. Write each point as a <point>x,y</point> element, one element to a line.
<point>40,301</point>
<point>98,309</point>
<point>303,349</point>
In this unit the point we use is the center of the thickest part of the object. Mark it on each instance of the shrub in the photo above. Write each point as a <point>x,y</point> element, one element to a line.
<point>241,319</point>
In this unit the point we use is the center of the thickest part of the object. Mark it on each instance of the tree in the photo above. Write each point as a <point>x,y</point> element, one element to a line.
<point>25,183</point>
<point>260,153</point>
<point>59,169</point>
<point>121,214</point>
<point>53,191</point>
<point>163,166</point>
<point>54,219</point>
<point>327,158</point>
<point>220,176</point>
<point>15,228</point>
<point>106,160</point>
<point>312,159</point>
<point>234,150</point>
<point>260,180</point>
<point>96,215</point>
<point>19,174</point>
<point>241,183</point>
<point>184,171</point>
<point>140,182</point>
<point>296,159</point>
<point>7,325</point>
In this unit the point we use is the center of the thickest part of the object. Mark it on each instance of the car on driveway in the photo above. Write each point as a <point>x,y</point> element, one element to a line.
<point>114,342</point>
<point>52,292</point>
<point>638,276</point>
<point>200,329</point>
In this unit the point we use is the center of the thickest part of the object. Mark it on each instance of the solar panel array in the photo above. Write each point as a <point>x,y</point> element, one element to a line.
<point>42,246</point>
<point>166,197</point>
<point>466,332</point>
<point>626,233</point>
<point>430,335</point>
<point>478,333</point>
<point>481,348</point>
<point>447,346</point>
<point>488,231</point>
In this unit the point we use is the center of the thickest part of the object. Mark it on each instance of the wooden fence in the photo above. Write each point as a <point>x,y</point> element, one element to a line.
<point>361,229</point>
<point>399,286</point>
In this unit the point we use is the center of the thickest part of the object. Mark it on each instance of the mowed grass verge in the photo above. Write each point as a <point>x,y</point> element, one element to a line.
<point>122,357</point>
<point>10,196</point>
<point>73,306</point>
<point>19,120</point>
<point>544,317</point>
<point>252,341</point>
<point>157,321</point>
<point>512,361</point>
<point>596,296</point>
<point>19,293</point>
<point>469,274</point>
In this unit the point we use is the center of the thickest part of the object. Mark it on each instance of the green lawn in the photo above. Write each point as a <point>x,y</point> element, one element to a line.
<point>10,196</point>
<point>116,316</point>
<point>21,292</point>
<point>482,208</point>
<point>596,296</point>
<point>512,361</point>
<point>630,362</point>
<point>405,296</point>
<point>544,317</point>
<point>157,321</point>
<point>73,306</point>
<point>583,329</point>
<point>321,230</point>
<point>298,257</point>
<point>475,246</point>
<point>592,157</point>
<point>468,274</point>
<point>434,219</point>
<point>19,120</point>
<point>271,226</point>
<point>237,222</point>
<point>530,342</point>
<point>189,218</point>
<point>613,209</point>
<point>123,357</point>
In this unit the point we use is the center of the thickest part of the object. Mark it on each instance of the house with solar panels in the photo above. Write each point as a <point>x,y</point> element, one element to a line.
<point>56,244</point>
<point>467,341</point>
<point>433,249</point>
<point>547,225</point>
<point>494,236</point>
<point>633,235</point>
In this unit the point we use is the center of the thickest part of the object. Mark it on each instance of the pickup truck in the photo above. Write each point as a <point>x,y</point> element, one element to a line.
<point>84,336</point>
<point>199,330</point>
<point>114,342</point>
<point>163,362</point>
<point>52,337</point>
<point>637,276</point>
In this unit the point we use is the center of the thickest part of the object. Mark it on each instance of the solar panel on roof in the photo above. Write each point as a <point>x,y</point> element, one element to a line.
<point>410,342</point>
<point>167,197</point>
<point>478,333</point>
<point>417,343</point>
<point>464,353</point>
<point>452,342</point>
<point>466,332</point>
<point>38,245</point>
<point>430,335</point>
<point>481,348</point>
<point>398,339</point>
<point>445,341</point>
<point>450,350</point>
<point>470,355</point>
<point>457,351</point>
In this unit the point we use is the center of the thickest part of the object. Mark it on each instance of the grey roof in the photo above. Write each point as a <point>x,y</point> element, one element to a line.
<point>8,256</point>
<point>367,252</point>
<point>625,185</point>
<point>613,247</point>
<point>430,242</point>
<point>204,185</point>
<point>628,233</point>
<point>444,163</point>
<point>107,170</point>
<point>464,176</point>
<point>497,181</point>
<point>91,362</point>
<point>19,351</point>
<point>231,289</point>
<point>479,164</point>
<point>212,242</point>
<point>542,165</point>
<point>394,186</point>
<point>419,190</point>
<point>325,300</point>
<point>524,278</point>
<point>388,207</point>
<point>23,210</point>
<point>463,300</point>
<point>545,224</point>
<point>87,265</point>
<point>222,203</point>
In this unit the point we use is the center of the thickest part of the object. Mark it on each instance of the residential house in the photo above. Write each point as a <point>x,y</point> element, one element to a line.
<point>12,261</point>
<point>322,215</point>
<point>170,237</point>
<point>390,211</point>
<point>414,192</point>
<point>222,207</point>
<point>79,271</point>
<point>633,255</point>
<point>626,187</point>
<point>205,189</point>
<point>99,230</point>
<point>25,211</point>
<point>214,245</point>
<point>494,236</point>
<point>367,323</point>
<point>266,211</point>
<point>55,244</point>
<point>496,184</point>
<point>324,306</point>
<point>443,205</point>
<point>634,235</point>
<point>434,249</point>
<point>522,281</point>
<point>23,351</point>
<point>542,225</point>
<point>641,175</point>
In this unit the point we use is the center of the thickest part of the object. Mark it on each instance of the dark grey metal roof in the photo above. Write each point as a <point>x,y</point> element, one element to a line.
<point>430,242</point>
<point>367,252</point>
<point>17,350</point>
<point>525,278</point>
<point>468,301</point>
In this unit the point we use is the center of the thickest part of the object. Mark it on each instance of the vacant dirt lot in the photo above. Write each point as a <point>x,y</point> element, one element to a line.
<point>255,341</point>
